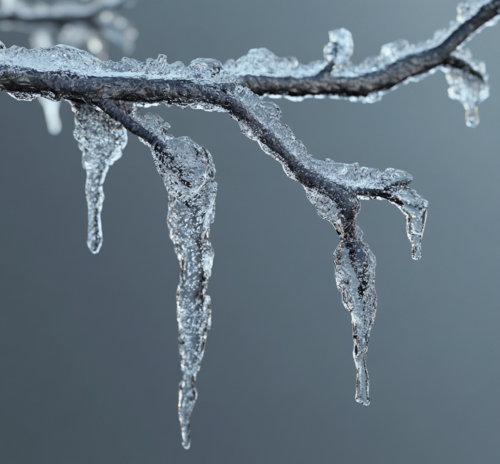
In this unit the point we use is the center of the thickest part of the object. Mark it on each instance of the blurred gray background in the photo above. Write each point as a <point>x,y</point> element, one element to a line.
<point>88,351</point>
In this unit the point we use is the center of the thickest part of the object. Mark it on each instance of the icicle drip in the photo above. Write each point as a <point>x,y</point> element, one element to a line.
<point>467,88</point>
<point>355,277</point>
<point>188,173</point>
<point>339,48</point>
<point>415,208</point>
<point>101,140</point>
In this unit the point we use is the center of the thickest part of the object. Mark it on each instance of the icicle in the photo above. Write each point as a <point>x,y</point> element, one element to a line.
<point>101,140</point>
<point>415,209</point>
<point>339,48</point>
<point>188,173</point>
<point>355,276</point>
<point>51,112</point>
<point>469,89</point>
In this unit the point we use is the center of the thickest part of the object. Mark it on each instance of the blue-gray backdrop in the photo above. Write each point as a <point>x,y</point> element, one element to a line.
<point>88,351</point>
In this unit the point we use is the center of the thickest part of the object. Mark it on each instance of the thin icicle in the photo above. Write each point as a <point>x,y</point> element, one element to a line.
<point>101,140</point>
<point>188,173</point>
<point>415,208</point>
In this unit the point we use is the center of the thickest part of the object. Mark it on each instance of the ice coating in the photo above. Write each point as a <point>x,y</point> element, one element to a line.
<point>101,141</point>
<point>263,62</point>
<point>339,48</point>
<point>188,173</point>
<point>355,277</point>
<point>60,58</point>
<point>467,88</point>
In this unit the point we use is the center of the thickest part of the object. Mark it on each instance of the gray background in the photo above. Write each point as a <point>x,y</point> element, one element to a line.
<point>88,355</point>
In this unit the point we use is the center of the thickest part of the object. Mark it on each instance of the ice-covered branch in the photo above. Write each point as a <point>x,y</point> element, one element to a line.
<point>120,89</point>
<point>399,62</point>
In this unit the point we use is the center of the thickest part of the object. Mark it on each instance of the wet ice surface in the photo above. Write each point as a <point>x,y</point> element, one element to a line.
<point>101,140</point>
<point>188,172</point>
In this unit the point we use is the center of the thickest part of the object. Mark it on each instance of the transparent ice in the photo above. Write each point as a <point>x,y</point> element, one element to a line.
<point>339,48</point>
<point>188,171</point>
<point>101,140</point>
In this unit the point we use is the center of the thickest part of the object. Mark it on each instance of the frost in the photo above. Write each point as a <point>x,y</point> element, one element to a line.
<point>188,172</point>
<point>101,140</point>
<point>467,88</point>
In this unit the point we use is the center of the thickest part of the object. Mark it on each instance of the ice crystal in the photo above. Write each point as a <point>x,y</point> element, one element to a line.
<point>101,140</point>
<point>187,171</point>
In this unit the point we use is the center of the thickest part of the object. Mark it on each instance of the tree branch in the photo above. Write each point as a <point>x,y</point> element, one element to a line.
<point>361,83</point>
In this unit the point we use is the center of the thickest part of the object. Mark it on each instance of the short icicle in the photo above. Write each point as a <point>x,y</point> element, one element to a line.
<point>101,140</point>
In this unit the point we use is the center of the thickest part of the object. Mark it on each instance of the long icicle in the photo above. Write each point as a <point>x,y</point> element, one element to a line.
<point>188,172</point>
